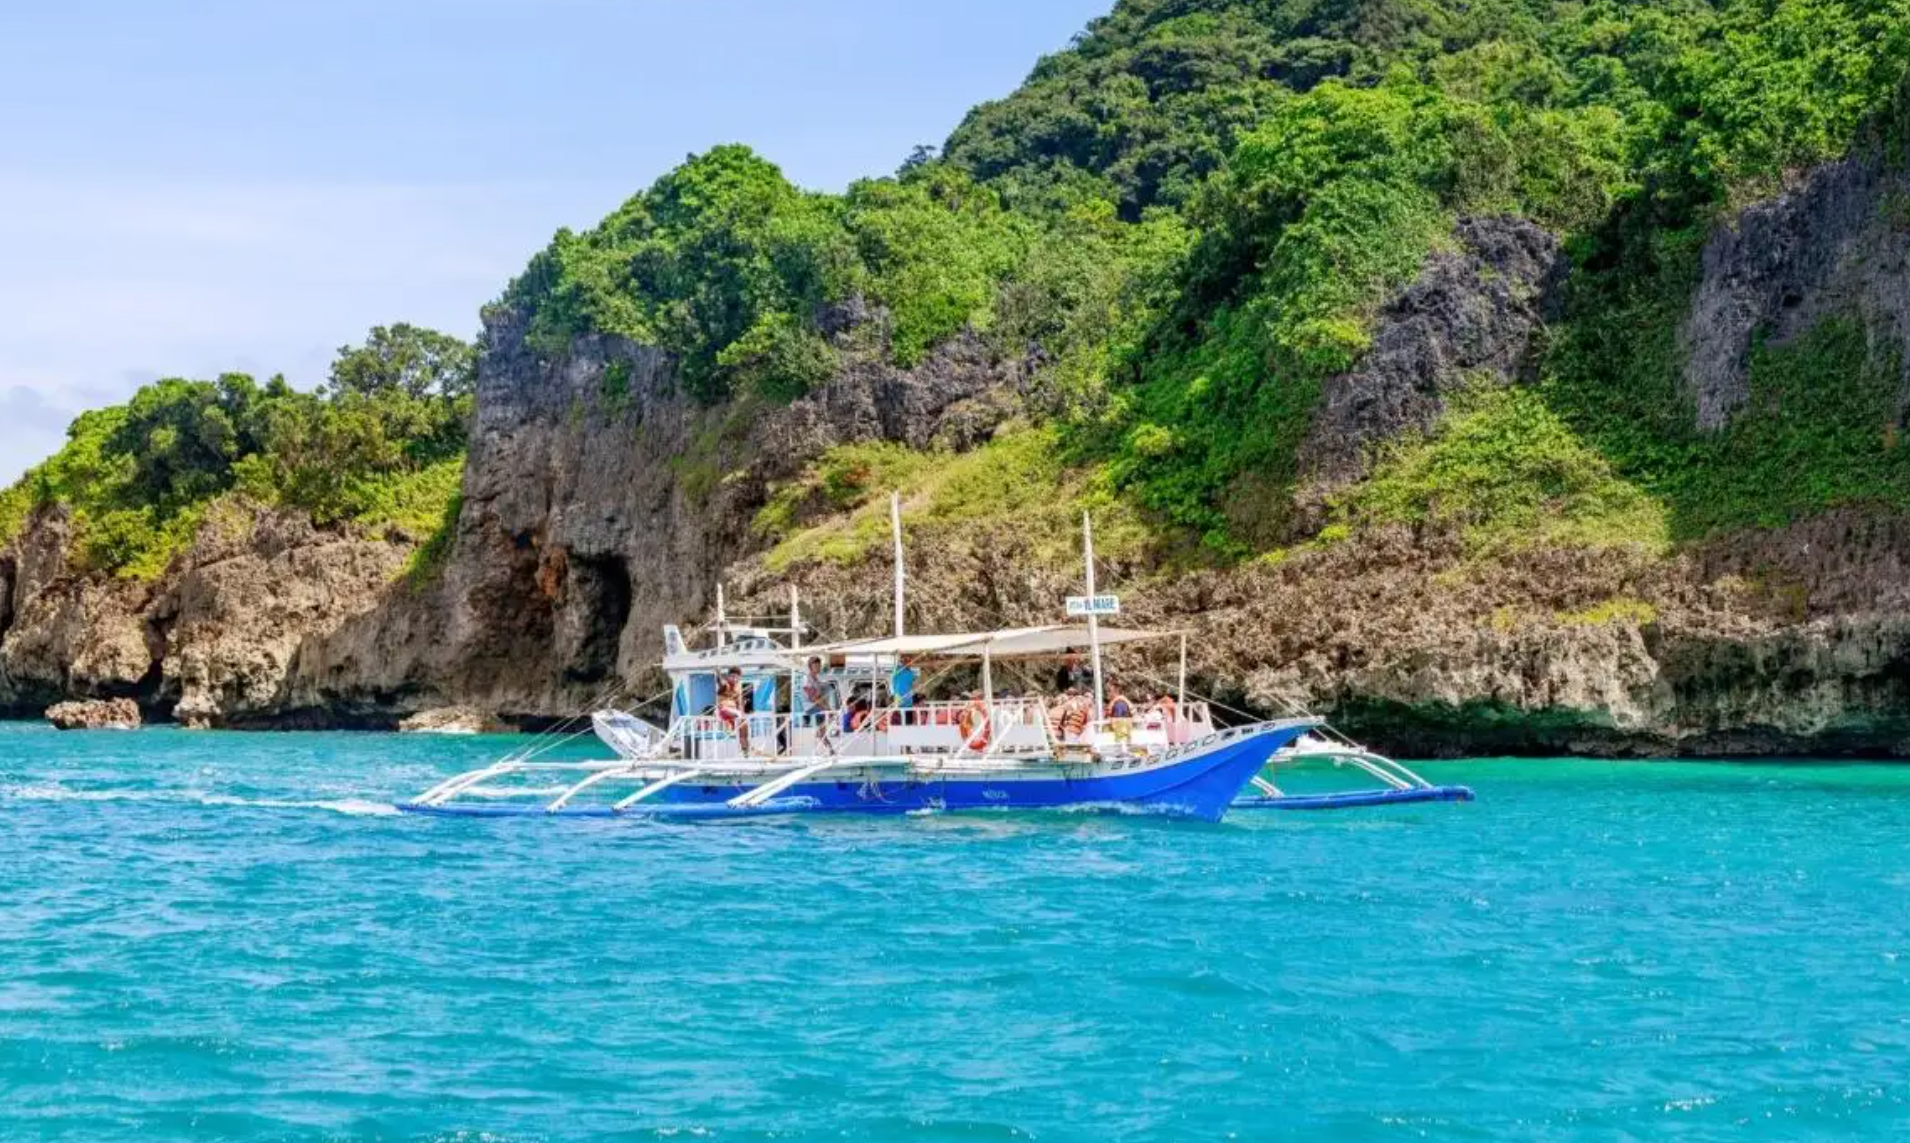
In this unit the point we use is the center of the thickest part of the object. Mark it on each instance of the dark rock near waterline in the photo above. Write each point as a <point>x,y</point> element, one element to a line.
<point>95,714</point>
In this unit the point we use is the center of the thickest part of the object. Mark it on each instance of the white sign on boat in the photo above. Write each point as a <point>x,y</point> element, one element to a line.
<point>1094,605</point>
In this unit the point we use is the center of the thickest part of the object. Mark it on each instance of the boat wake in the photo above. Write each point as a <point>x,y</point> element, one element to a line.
<point>351,807</point>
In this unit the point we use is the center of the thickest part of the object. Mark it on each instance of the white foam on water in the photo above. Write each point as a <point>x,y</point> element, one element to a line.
<point>48,792</point>
<point>353,807</point>
<point>57,793</point>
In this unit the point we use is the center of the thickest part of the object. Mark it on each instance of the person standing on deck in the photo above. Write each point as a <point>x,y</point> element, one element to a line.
<point>1120,715</point>
<point>729,706</point>
<point>902,685</point>
<point>1068,678</point>
<point>815,692</point>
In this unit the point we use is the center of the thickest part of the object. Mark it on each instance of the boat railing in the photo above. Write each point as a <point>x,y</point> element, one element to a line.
<point>1150,729</point>
<point>710,737</point>
<point>1016,726</point>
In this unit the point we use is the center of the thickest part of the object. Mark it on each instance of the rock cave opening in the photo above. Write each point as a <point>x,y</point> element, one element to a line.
<point>597,608</point>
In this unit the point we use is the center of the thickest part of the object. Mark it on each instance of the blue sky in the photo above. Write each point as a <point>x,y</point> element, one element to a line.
<point>206,185</point>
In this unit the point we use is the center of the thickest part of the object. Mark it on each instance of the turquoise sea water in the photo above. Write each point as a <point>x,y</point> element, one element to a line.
<point>211,936</point>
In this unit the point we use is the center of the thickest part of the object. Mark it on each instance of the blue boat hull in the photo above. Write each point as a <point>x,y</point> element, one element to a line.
<point>1203,785</point>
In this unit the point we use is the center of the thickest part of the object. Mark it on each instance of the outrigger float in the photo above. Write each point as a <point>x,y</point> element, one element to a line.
<point>1398,784</point>
<point>868,747</point>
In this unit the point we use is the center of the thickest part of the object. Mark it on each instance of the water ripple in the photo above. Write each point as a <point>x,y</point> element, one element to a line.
<point>231,937</point>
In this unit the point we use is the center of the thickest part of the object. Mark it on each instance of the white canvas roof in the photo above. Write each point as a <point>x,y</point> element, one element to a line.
<point>1032,642</point>
<point>1015,642</point>
<point>907,645</point>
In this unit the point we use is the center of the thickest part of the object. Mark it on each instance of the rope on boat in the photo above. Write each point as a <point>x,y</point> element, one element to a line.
<point>589,727</point>
<point>608,696</point>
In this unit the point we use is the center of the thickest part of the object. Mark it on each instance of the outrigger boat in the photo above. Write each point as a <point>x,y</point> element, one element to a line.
<point>868,747</point>
<point>929,756</point>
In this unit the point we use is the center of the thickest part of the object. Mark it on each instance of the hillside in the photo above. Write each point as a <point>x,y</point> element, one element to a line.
<point>1517,375</point>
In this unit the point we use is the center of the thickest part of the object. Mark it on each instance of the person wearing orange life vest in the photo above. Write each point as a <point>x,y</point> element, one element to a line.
<point>972,722</point>
<point>1074,715</point>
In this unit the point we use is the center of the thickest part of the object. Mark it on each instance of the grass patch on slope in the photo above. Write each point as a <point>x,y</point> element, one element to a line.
<point>412,502</point>
<point>1020,479</point>
<point>1507,472</point>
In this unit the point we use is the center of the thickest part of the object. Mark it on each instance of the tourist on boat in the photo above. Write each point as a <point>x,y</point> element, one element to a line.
<point>1120,715</point>
<point>1069,677</point>
<point>1162,713</point>
<point>902,685</point>
<point>817,694</point>
<point>856,714</point>
<point>1074,715</point>
<point>1159,714</point>
<point>729,706</point>
<point>1163,707</point>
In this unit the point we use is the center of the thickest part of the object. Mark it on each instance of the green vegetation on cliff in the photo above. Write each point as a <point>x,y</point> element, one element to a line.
<point>1506,471</point>
<point>727,265</point>
<point>1196,210</point>
<point>1018,481</point>
<point>381,444</point>
<point>1190,218</point>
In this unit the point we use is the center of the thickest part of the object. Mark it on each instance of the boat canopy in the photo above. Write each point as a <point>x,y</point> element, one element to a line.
<point>1012,643</point>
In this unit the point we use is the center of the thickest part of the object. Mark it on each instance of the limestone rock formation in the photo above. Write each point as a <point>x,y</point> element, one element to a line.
<point>1836,244</point>
<point>1470,317</point>
<point>95,714</point>
<point>600,502</point>
<point>213,642</point>
<point>594,514</point>
<point>449,720</point>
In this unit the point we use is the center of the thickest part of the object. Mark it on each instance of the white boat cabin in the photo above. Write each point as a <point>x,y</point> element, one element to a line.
<point>862,698</point>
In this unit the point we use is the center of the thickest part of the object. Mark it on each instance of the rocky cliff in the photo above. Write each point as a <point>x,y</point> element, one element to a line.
<point>599,502</point>
<point>216,641</point>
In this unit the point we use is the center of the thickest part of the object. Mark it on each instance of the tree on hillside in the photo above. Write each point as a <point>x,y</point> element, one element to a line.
<point>181,437</point>
<point>409,359</point>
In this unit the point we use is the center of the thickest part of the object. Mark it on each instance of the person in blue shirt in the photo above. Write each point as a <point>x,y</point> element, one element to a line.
<point>902,685</point>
